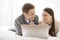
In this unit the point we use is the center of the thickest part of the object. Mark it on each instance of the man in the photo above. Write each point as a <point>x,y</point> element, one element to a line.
<point>27,16</point>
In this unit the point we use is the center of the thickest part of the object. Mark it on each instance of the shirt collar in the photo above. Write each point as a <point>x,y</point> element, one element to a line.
<point>27,20</point>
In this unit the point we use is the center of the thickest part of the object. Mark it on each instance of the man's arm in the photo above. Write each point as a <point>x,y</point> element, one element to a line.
<point>36,20</point>
<point>18,27</point>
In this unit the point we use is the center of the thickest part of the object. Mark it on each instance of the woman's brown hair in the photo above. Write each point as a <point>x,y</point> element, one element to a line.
<point>52,29</point>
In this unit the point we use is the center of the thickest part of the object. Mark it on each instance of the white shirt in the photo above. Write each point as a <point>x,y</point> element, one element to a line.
<point>27,20</point>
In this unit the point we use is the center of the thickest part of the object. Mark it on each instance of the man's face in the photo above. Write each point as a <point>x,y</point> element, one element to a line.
<point>31,15</point>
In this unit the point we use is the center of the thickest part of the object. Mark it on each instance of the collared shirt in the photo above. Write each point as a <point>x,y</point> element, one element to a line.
<point>27,20</point>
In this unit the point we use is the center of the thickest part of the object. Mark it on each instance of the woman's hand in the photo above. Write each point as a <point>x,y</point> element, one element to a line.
<point>41,24</point>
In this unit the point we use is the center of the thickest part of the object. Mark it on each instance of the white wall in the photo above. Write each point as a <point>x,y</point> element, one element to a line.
<point>39,5</point>
<point>10,9</point>
<point>6,13</point>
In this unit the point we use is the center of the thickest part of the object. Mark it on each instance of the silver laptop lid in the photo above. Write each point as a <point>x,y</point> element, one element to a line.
<point>35,31</point>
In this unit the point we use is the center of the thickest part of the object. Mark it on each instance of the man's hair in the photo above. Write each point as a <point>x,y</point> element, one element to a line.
<point>26,7</point>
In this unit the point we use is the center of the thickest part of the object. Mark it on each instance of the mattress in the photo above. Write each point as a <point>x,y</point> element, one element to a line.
<point>5,34</point>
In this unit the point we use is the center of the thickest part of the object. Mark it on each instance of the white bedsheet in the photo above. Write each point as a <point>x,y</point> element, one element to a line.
<point>5,34</point>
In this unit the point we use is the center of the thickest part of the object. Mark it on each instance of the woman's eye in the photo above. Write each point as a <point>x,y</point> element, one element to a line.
<point>45,15</point>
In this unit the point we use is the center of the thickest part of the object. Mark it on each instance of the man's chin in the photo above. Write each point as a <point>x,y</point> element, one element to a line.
<point>32,19</point>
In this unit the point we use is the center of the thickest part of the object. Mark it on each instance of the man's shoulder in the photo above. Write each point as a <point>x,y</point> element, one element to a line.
<point>20,18</point>
<point>36,15</point>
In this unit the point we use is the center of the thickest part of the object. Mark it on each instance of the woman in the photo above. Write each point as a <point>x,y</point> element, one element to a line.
<point>48,18</point>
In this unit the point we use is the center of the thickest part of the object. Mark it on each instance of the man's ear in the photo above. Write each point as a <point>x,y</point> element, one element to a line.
<point>25,15</point>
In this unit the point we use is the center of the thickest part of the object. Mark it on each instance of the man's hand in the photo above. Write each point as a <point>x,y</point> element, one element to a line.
<point>32,24</point>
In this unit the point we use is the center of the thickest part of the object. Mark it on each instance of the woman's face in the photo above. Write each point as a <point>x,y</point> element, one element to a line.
<point>47,18</point>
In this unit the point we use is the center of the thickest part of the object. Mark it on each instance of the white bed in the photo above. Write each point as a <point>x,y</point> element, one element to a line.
<point>5,34</point>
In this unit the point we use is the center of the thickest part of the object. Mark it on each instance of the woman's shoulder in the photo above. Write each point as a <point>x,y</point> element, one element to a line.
<point>57,22</point>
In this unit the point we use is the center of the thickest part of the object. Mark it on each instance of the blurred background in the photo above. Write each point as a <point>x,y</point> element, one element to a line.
<point>11,9</point>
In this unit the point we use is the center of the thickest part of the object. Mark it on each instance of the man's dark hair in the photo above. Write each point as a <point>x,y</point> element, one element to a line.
<point>26,7</point>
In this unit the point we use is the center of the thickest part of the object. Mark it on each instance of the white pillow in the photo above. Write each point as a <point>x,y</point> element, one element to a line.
<point>35,31</point>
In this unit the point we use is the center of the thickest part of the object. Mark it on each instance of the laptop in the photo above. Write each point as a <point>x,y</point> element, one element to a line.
<point>35,31</point>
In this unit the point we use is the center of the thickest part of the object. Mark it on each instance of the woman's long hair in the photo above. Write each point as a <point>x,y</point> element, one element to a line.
<point>52,29</point>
